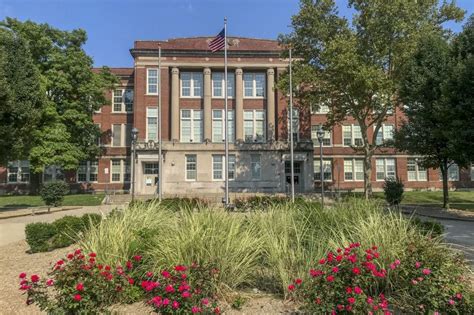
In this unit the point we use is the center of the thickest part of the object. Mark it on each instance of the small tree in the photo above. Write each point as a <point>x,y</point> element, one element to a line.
<point>393,191</point>
<point>53,193</point>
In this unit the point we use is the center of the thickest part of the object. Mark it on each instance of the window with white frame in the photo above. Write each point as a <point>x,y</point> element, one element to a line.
<point>416,172</point>
<point>191,125</point>
<point>385,133</point>
<point>453,173</point>
<point>353,170</point>
<point>326,137</point>
<point>87,171</point>
<point>385,169</point>
<point>218,125</point>
<point>123,101</point>
<point>296,125</point>
<point>319,108</point>
<point>152,81</point>
<point>327,170</point>
<point>254,125</point>
<point>18,171</point>
<point>351,135</point>
<point>254,85</point>
<point>219,165</point>
<point>191,84</point>
<point>255,166</point>
<point>120,170</point>
<point>52,173</point>
<point>151,168</point>
<point>191,167</point>
<point>117,135</point>
<point>152,123</point>
<point>218,83</point>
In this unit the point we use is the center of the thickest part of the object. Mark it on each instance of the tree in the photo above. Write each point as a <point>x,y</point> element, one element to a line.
<point>354,69</point>
<point>21,98</point>
<point>437,90</point>
<point>66,134</point>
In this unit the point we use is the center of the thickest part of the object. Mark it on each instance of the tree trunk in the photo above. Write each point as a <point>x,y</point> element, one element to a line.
<point>367,175</point>
<point>444,173</point>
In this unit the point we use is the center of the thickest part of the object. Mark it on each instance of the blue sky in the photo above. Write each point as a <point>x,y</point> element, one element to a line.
<point>112,26</point>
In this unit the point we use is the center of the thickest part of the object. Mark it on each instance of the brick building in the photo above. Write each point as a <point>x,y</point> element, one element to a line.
<point>192,83</point>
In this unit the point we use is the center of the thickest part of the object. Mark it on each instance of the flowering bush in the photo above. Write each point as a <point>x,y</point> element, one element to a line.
<point>78,284</point>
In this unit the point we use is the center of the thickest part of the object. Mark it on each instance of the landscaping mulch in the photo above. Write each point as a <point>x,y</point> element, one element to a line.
<point>14,259</point>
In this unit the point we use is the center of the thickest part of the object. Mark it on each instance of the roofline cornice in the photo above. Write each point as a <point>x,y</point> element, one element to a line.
<point>203,53</point>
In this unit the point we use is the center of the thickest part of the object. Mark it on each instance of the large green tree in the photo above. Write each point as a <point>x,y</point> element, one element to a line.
<point>355,67</point>
<point>437,89</point>
<point>73,91</point>
<point>21,98</point>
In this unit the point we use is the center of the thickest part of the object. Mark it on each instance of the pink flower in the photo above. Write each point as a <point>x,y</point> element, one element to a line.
<point>426,271</point>
<point>397,262</point>
<point>339,258</point>
<point>77,297</point>
<point>393,266</point>
<point>340,307</point>
<point>418,264</point>
<point>131,281</point>
<point>185,294</point>
<point>298,281</point>
<point>129,265</point>
<point>459,296</point>
<point>356,271</point>
<point>291,287</point>
<point>137,258</point>
<point>169,288</point>
<point>315,273</point>
<point>351,300</point>
<point>149,274</point>
<point>414,282</point>
<point>80,287</point>
<point>166,302</point>
<point>330,278</point>
<point>49,282</point>
<point>22,275</point>
<point>451,302</point>
<point>35,278</point>
<point>195,310</point>
<point>157,301</point>
<point>370,300</point>
<point>335,269</point>
<point>357,290</point>
<point>175,305</point>
<point>205,301</point>
<point>165,274</point>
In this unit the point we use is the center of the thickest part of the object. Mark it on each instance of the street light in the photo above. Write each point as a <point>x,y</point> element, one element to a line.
<point>320,134</point>
<point>134,142</point>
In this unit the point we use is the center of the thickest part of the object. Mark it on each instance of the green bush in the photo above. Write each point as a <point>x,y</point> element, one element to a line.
<point>91,219</point>
<point>67,229</point>
<point>259,202</point>
<point>39,235</point>
<point>431,227</point>
<point>53,193</point>
<point>393,191</point>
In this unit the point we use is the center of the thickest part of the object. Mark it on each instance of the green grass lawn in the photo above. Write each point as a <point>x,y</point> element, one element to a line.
<point>35,201</point>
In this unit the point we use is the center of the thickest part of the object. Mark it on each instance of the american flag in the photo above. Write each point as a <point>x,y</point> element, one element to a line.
<point>218,42</point>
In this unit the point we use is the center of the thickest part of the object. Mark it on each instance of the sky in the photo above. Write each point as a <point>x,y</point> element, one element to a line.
<point>113,26</point>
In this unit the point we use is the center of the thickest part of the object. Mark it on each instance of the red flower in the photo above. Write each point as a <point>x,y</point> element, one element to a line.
<point>185,294</point>
<point>70,256</point>
<point>348,290</point>
<point>322,261</point>
<point>129,265</point>
<point>175,305</point>
<point>77,252</point>
<point>351,300</point>
<point>149,274</point>
<point>77,297</point>
<point>35,278</point>
<point>183,276</point>
<point>92,255</point>
<point>459,296</point>
<point>180,268</point>
<point>22,275</point>
<point>195,309</point>
<point>165,274</point>
<point>339,258</point>
<point>426,271</point>
<point>418,264</point>
<point>169,288</point>
<point>100,267</point>
<point>107,267</point>
<point>217,310</point>
<point>335,269</point>
<point>291,287</point>
<point>340,307</point>
<point>357,290</point>
<point>315,273</point>
<point>137,258</point>
<point>80,287</point>
<point>330,278</point>
<point>49,282</point>
<point>131,281</point>
<point>60,262</point>
<point>205,301</point>
<point>356,271</point>
<point>317,301</point>
<point>298,281</point>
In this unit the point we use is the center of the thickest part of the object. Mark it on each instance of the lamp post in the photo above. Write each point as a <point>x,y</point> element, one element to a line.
<point>134,142</point>
<point>320,134</point>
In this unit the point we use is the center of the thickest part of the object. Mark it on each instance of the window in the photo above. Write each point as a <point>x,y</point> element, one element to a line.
<point>218,167</point>
<point>256,166</point>
<point>453,173</point>
<point>472,172</point>
<point>385,133</point>
<point>254,85</point>
<point>123,100</point>
<point>218,83</point>
<point>319,109</point>
<point>296,125</point>
<point>353,170</point>
<point>385,169</point>
<point>254,125</point>
<point>52,173</point>
<point>117,135</point>
<point>416,172</point>
<point>191,125</point>
<point>326,137</point>
<point>18,172</point>
<point>120,170</point>
<point>152,123</point>
<point>152,81</point>
<point>191,84</point>
<point>191,167</point>
<point>87,171</point>
<point>218,125</point>
<point>351,135</point>
<point>150,168</point>
<point>327,170</point>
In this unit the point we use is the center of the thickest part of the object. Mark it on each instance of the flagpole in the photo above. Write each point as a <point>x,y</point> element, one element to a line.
<point>291,135</point>
<point>160,158</point>
<point>226,118</point>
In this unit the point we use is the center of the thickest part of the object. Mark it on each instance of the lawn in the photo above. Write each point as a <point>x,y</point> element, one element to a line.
<point>35,201</point>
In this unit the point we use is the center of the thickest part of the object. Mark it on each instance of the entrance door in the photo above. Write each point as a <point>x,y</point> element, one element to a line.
<point>150,178</point>
<point>296,175</point>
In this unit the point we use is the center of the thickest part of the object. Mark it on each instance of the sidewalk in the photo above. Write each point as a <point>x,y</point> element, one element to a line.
<point>21,212</point>
<point>437,212</point>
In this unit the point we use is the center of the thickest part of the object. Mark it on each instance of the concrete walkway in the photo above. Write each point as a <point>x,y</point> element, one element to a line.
<point>13,229</point>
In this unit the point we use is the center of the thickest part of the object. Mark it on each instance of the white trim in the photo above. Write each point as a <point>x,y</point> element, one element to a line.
<point>254,85</point>
<point>259,163</point>
<point>123,106</point>
<point>353,165</point>
<point>385,168</point>
<point>192,120</point>
<point>122,170</point>
<point>254,126</point>
<point>325,160</point>
<point>231,124</point>
<point>18,172</point>
<point>353,138</point>
<point>230,85</point>
<point>147,138</point>
<point>157,81</point>
<point>223,167</point>
<point>416,171</point>
<point>191,87</point>
<point>186,167</point>
<point>316,141</point>
<point>88,173</point>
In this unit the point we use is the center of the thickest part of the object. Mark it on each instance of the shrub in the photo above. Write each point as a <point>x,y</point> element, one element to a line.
<point>53,193</point>
<point>67,229</point>
<point>259,202</point>
<point>431,227</point>
<point>39,235</point>
<point>393,191</point>
<point>91,219</point>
